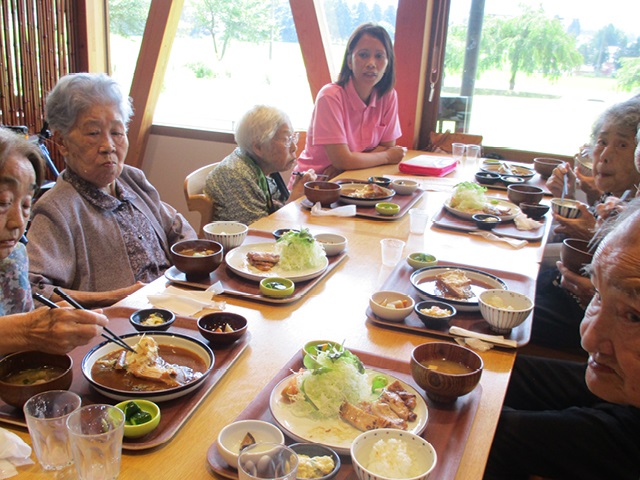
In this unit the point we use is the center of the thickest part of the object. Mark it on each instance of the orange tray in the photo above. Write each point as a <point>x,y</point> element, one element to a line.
<point>174,413</point>
<point>237,286</point>
<point>447,429</point>
<point>399,280</point>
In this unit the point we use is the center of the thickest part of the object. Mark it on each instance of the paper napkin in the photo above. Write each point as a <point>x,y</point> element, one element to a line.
<point>188,302</point>
<point>14,452</point>
<point>344,211</point>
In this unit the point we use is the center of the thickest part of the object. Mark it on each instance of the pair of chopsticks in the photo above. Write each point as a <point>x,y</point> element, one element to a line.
<point>113,338</point>
<point>320,176</point>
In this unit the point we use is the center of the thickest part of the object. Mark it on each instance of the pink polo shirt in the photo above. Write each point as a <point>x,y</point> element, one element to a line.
<point>341,117</point>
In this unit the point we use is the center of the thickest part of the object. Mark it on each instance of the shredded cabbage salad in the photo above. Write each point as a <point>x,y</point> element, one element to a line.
<point>339,376</point>
<point>299,251</point>
<point>468,197</point>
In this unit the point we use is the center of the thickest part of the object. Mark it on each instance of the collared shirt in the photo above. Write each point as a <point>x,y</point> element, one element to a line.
<point>147,258</point>
<point>341,117</point>
<point>15,290</point>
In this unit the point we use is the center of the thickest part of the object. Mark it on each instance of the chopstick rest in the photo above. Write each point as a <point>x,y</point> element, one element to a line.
<point>495,339</point>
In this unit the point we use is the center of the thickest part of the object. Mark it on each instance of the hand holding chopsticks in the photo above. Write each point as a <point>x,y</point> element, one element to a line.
<point>113,338</point>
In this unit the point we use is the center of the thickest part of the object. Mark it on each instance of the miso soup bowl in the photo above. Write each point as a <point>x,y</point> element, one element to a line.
<point>17,394</point>
<point>194,348</point>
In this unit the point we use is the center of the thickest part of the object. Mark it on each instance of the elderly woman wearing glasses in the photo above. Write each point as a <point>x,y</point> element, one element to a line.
<point>247,185</point>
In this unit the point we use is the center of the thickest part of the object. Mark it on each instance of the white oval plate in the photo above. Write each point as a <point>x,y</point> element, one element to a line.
<point>349,188</point>
<point>334,433</point>
<point>237,261</point>
<point>514,210</point>
<point>423,281</point>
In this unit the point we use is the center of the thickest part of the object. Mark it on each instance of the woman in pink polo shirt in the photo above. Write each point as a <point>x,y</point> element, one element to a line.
<point>355,120</point>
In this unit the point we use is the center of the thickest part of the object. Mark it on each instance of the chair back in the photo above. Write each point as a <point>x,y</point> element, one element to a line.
<point>197,201</point>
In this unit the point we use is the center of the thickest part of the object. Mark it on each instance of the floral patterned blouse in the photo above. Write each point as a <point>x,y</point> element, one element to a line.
<point>15,290</point>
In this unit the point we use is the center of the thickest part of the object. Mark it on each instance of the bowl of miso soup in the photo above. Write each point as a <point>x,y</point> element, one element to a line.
<point>24,374</point>
<point>197,258</point>
<point>445,370</point>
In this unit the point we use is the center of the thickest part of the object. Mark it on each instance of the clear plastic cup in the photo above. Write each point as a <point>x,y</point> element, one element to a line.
<point>473,153</point>
<point>391,251</point>
<point>457,150</point>
<point>418,220</point>
<point>46,415</point>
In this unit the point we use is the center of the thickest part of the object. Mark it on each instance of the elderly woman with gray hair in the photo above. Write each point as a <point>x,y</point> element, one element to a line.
<point>247,185</point>
<point>102,231</point>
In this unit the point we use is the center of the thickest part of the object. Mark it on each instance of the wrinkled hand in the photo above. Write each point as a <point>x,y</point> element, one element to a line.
<point>555,183</point>
<point>60,330</point>
<point>582,227</point>
<point>611,206</point>
<point>395,154</point>
<point>576,284</point>
<point>588,185</point>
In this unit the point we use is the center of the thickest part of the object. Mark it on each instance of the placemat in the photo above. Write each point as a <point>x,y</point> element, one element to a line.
<point>238,286</point>
<point>446,219</point>
<point>174,413</point>
<point>405,202</point>
<point>400,280</point>
<point>447,429</point>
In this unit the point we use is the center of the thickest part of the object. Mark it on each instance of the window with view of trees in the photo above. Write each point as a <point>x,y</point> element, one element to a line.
<point>535,75</point>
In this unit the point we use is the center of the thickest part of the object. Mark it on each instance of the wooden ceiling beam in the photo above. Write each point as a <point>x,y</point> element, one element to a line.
<point>159,33</point>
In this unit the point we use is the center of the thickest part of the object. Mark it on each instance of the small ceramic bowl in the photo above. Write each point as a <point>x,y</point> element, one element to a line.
<point>485,221</point>
<point>565,207</point>
<point>390,305</point>
<point>445,370</point>
<point>229,234</point>
<point>511,180</point>
<point>209,323</point>
<point>534,210</point>
<point>277,287</point>
<point>281,231</point>
<point>201,265</point>
<point>423,455</point>
<point>504,310</point>
<point>132,430</point>
<point>311,349</point>
<point>487,178</point>
<point>315,450</point>
<point>152,319</point>
<point>404,187</point>
<point>434,314</point>
<point>420,260</point>
<point>232,436</point>
<point>387,208</point>
<point>381,181</point>
<point>332,243</point>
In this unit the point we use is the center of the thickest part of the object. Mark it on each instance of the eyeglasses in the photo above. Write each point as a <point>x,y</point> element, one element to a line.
<point>293,138</point>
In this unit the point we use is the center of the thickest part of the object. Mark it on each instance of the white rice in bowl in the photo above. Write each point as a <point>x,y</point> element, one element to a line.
<point>392,459</point>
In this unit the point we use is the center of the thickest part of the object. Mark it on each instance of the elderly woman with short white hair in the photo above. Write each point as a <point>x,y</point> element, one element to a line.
<point>247,185</point>
<point>102,231</point>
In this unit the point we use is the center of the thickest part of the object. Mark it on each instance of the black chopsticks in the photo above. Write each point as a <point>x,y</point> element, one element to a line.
<point>113,338</point>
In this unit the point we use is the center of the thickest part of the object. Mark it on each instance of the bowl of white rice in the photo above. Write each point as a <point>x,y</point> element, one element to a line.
<point>388,453</point>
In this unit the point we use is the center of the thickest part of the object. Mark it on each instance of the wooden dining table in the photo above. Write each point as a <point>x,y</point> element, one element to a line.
<point>334,309</point>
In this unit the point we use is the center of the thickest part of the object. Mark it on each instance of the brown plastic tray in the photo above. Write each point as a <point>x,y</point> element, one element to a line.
<point>536,180</point>
<point>238,286</point>
<point>405,202</point>
<point>399,280</point>
<point>448,426</point>
<point>446,219</point>
<point>174,413</point>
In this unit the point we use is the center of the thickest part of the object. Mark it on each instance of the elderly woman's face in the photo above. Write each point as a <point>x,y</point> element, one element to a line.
<point>279,155</point>
<point>17,186</point>
<point>97,145</point>
<point>613,160</point>
<point>611,326</point>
